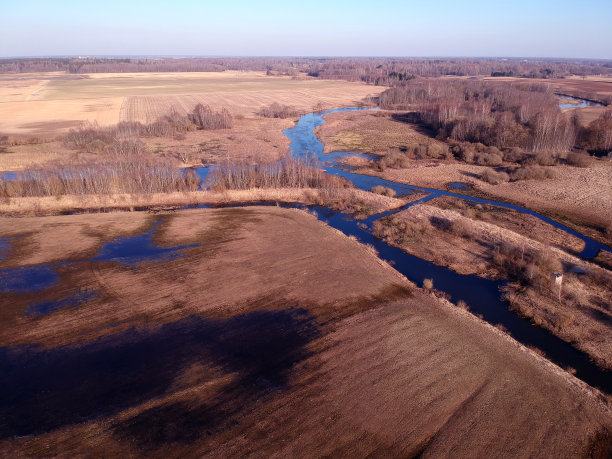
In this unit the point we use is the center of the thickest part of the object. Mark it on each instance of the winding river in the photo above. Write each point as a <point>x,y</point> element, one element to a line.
<point>482,295</point>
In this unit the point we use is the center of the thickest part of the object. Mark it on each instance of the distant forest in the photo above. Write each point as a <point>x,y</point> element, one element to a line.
<point>377,71</point>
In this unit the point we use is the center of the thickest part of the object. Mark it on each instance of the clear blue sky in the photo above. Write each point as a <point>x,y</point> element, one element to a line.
<point>533,28</point>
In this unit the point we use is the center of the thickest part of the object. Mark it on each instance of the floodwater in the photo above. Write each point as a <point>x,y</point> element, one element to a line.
<point>133,250</point>
<point>129,251</point>
<point>74,299</point>
<point>582,102</point>
<point>27,279</point>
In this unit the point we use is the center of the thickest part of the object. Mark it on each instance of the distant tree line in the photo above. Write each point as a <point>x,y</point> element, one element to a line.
<point>381,71</point>
<point>285,66</point>
<point>396,71</point>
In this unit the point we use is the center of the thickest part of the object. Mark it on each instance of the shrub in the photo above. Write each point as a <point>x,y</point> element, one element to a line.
<point>378,189</point>
<point>579,159</point>
<point>463,228</point>
<point>493,177</point>
<point>207,119</point>
<point>492,159</point>
<point>545,159</point>
<point>394,160</point>
<point>89,137</point>
<point>276,110</point>
<point>531,172</point>
<point>127,147</point>
<point>547,261</point>
<point>514,155</point>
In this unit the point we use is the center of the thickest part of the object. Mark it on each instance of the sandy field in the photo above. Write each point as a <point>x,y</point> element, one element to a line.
<point>46,104</point>
<point>233,352</point>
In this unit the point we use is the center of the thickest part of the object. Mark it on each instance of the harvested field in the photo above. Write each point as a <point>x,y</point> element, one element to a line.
<point>45,104</point>
<point>364,364</point>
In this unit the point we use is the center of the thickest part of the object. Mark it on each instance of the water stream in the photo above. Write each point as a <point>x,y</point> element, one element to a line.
<point>482,295</point>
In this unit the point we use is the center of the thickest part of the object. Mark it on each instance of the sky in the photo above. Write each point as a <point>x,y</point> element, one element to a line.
<point>493,28</point>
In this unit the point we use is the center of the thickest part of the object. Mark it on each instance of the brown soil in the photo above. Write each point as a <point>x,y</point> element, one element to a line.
<point>281,338</point>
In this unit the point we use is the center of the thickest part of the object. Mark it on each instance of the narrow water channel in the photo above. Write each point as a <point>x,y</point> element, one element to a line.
<point>482,295</point>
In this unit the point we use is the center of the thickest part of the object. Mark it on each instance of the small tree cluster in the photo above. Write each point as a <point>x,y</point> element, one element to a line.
<point>289,172</point>
<point>138,177</point>
<point>207,119</point>
<point>276,110</point>
<point>498,115</point>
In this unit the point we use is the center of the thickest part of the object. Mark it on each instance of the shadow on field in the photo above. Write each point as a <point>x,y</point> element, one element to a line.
<point>413,119</point>
<point>45,389</point>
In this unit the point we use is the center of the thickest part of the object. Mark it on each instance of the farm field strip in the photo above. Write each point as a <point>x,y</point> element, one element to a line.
<point>50,104</point>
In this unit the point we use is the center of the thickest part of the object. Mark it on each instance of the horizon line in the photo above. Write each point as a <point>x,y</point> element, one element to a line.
<point>314,56</point>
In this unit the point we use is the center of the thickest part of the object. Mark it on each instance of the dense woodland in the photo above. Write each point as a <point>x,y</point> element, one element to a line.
<point>505,116</point>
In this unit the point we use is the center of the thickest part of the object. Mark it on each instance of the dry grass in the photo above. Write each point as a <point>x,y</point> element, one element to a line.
<point>46,104</point>
<point>50,205</point>
<point>253,140</point>
<point>376,375</point>
<point>577,193</point>
<point>374,132</point>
